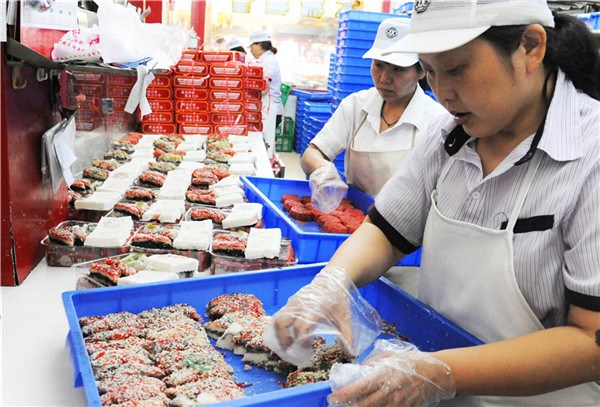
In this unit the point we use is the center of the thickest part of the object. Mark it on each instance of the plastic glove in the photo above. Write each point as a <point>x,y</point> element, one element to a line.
<point>327,187</point>
<point>396,373</point>
<point>329,306</point>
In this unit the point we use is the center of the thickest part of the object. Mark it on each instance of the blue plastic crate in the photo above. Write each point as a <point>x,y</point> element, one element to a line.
<point>352,79</point>
<point>351,52</point>
<point>422,325</point>
<point>344,61</point>
<point>311,94</point>
<point>359,15</point>
<point>363,43</point>
<point>343,34</point>
<point>317,107</point>
<point>354,70</point>
<point>351,87</point>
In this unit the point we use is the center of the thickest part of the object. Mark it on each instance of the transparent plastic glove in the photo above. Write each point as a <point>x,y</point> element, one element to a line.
<point>327,187</point>
<point>329,306</point>
<point>396,373</point>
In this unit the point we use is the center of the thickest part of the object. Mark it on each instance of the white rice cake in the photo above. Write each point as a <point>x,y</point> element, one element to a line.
<point>171,262</point>
<point>237,218</point>
<point>242,158</point>
<point>190,165</point>
<point>241,147</point>
<point>195,155</point>
<point>98,201</point>
<point>147,276</point>
<point>110,232</point>
<point>228,191</point>
<point>167,211</point>
<point>247,206</point>
<point>230,181</point>
<point>263,243</point>
<point>242,169</point>
<point>227,200</point>
<point>194,235</point>
<point>235,139</point>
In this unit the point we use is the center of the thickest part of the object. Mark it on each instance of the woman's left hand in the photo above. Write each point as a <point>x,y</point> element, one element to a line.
<point>395,374</point>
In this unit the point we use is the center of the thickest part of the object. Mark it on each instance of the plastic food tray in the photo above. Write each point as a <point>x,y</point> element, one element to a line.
<point>58,255</point>
<point>424,327</point>
<point>310,243</point>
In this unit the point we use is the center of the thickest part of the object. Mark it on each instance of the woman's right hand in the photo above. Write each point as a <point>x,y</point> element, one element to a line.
<point>327,187</point>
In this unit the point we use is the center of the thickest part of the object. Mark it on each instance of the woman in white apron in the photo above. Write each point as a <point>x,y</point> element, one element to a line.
<point>376,127</point>
<point>504,196</point>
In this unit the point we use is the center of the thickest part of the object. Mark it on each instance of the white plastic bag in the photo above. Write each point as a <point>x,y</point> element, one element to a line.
<point>125,39</point>
<point>80,44</point>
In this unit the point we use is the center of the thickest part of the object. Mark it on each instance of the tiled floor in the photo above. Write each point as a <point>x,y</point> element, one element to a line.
<point>292,165</point>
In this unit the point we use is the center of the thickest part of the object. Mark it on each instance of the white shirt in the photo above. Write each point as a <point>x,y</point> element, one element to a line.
<point>559,260</point>
<point>272,74</point>
<point>337,133</point>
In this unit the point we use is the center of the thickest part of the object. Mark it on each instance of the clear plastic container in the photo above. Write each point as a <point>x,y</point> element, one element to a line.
<point>219,225</point>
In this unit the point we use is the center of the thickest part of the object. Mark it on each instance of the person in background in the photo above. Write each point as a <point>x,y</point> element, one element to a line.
<point>376,127</point>
<point>220,44</point>
<point>504,195</point>
<point>264,52</point>
<point>235,45</point>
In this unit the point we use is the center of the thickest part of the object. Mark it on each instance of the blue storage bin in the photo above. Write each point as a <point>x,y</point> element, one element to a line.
<point>343,79</point>
<point>351,52</point>
<point>344,61</point>
<point>311,94</point>
<point>364,43</point>
<point>359,15</point>
<point>313,107</point>
<point>422,325</point>
<point>354,70</point>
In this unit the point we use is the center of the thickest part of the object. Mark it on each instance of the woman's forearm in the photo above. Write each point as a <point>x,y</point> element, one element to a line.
<point>312,159</point>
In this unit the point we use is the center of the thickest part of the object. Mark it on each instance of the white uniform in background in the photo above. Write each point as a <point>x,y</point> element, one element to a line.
<point>372,157</point>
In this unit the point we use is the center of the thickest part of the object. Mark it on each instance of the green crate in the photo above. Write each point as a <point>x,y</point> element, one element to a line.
<point>285,128</point>
<point>285,92</point>
<point>284,144</point>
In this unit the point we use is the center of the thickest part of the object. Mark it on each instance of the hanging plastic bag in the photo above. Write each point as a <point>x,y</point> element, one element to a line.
<point>125,39</point>
<point>80,44</point>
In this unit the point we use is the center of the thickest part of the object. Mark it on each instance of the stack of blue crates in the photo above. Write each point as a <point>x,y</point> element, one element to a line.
<point>356,33</point>
<point>311,104</point>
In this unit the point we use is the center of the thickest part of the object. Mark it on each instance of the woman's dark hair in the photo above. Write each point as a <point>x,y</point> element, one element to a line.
<point>238,49</point>
<point>570,46</point>
<point>267,46</point>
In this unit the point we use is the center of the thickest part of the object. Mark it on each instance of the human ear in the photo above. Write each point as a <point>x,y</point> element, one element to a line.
<point>533,43</point>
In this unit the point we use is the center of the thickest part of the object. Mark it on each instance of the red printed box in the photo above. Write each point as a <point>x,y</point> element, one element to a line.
<point>250,94</point>
<point>161,81</point>
<point>226,118</point>
<point>256,84</point>
<point>253,116</point>
<point>255,126</point>
<point>87,115</point>
<point>153,92</point>
<point>190,81</point>
<point>117,91</point>
<point>226,83</point>
<point>119,104</point>
<point>158,117</point>
<point>254,71</point>
<point>230,95</point>
<point>192,117</point>
<point>191,67</point>
<point>92,89</point>
<point>161,105</point>
<point>191,93</point>
<point>159,128</point>
<point>193,128</point>
<point>93,77</point>
<point>253,106</point>
<point>121,80</point>
<point>227,107</point>
<point>238,130</point>
<point>190,54</point>
<point>87,102</point>
<point>229,69</point>
<point>220,56</point>
<point>192,106</point>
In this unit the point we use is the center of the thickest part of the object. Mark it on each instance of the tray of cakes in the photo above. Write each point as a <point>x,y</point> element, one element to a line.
<point>241,216</point>
<point>72,241</point>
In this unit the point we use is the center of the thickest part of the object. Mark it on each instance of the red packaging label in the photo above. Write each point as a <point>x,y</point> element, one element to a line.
<point>88,77</point>
<point>88,102</point>
<point>227,107</point>
<point>238,130</point>
<point>254,71</point>
<point>221,56</point>
<point>161,81</point>
<point>252,94</point>
<point>153,92</point>
<point>86,115</point>
<point>192,106</point>
<point>226,83</point>
<point>191,67</point>
<point>119,104</point>
<point>120,118</point>
<point>226,118</point>
<point>159,128</point>
<point>191,93</point>
<point>230,95</point>
<point>92,89</point>
<point>118,91</point>
<point>192,117</point>
<point>230,69</point>
<point>257,84</point>
<point>190,81</point>
<point>190,55</point>
<point>161,105</point>
<point>160,117</point>
<point>193,128</point>
<point>253,106</point>
<point>121,80</point>
<point>253,116</point>
<point>255,126</point>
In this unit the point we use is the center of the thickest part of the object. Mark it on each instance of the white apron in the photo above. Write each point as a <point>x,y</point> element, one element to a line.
<point>467,274</point>
<point>369,171</point>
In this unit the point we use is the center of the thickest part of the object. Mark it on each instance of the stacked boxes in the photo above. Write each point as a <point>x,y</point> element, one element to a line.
<point>160,98</point>
<point>311,104</point>
<point>118,88</point>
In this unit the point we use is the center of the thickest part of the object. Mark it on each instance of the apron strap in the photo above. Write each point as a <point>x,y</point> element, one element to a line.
<point>349,147</point>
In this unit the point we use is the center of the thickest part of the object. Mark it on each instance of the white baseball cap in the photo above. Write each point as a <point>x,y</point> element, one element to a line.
<point>389,32</point>
<point>234,43</point>
<point>259,36</point>
<point>442,25</point>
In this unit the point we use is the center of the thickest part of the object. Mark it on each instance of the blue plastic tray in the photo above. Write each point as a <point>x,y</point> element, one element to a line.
<point>424,327</point>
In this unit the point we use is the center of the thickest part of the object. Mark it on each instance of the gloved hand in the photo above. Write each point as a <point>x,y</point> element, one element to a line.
<point>327,187</point>
<point>396,373</point>
<point>329,305</point>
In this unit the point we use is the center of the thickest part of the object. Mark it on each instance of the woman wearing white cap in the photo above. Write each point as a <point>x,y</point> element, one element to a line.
<point>504,196</point>
<point>264,52</point>
<point>376,127</point>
